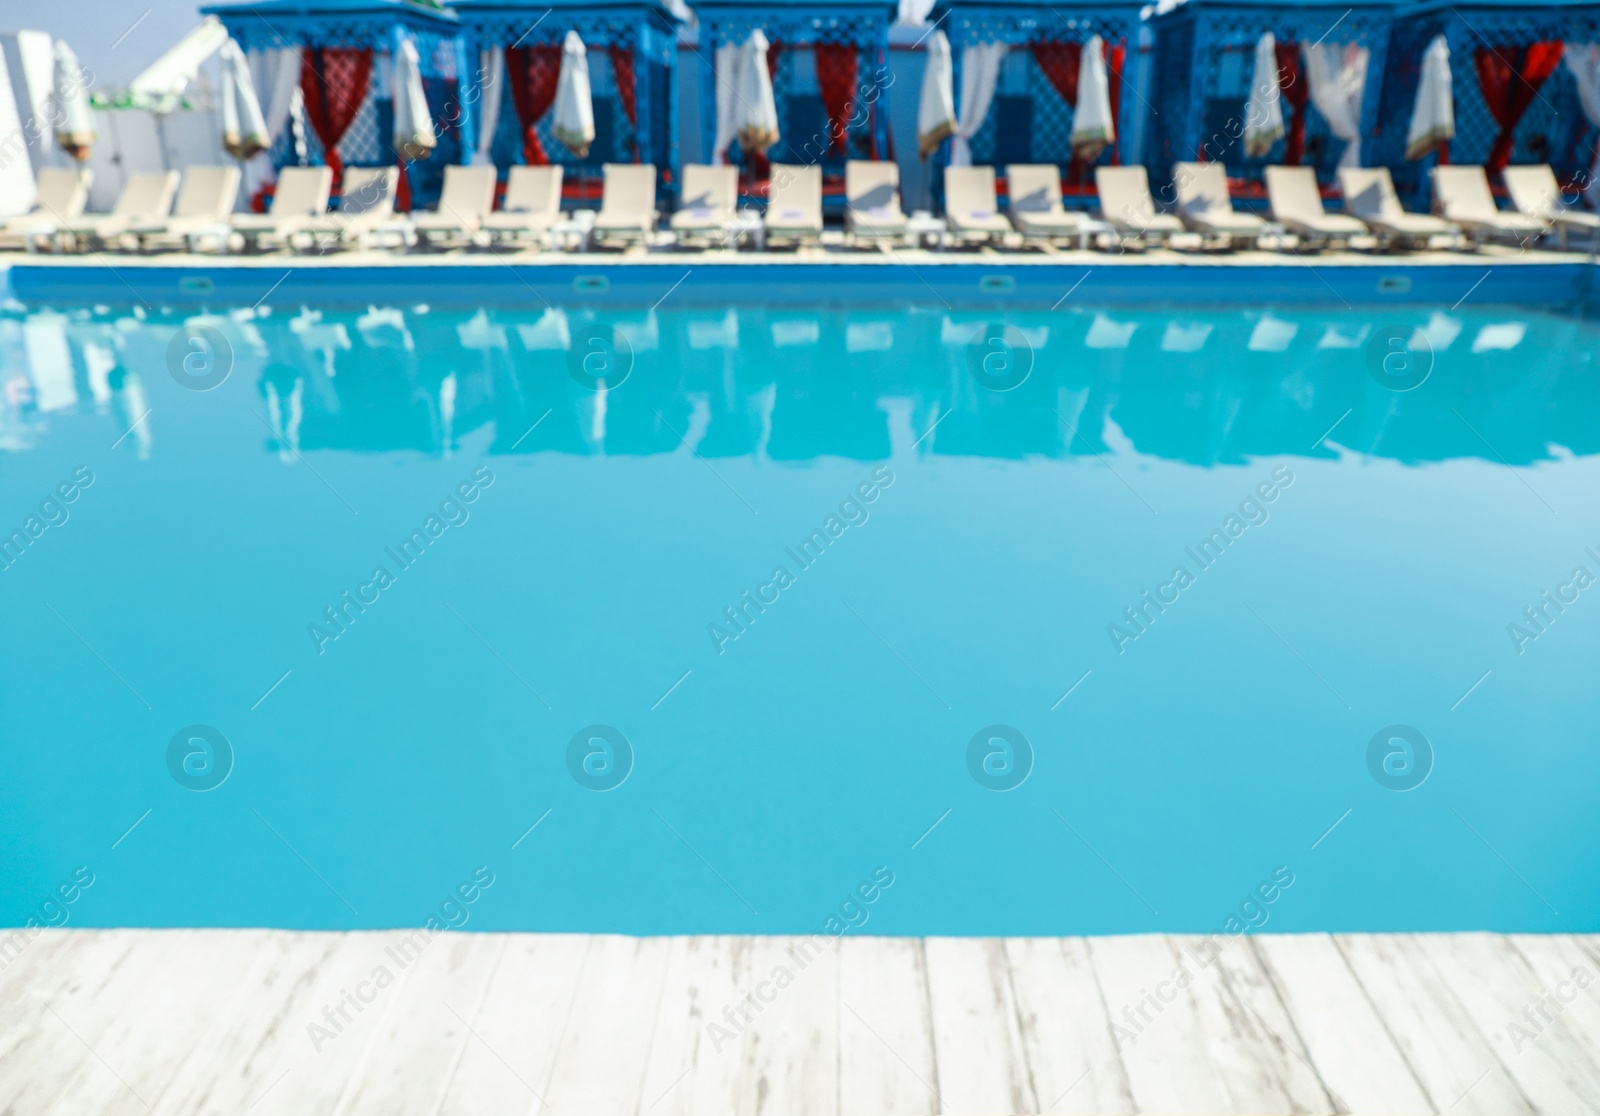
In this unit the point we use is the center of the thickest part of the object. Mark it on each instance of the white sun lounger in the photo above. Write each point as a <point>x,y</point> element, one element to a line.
<point>205,199</point>
<point>794,204</point>
<point>1534,191</point>
<point>366,212</point>
<point>1369,195</point>
<point>1126,203</point>
<point>710,199</point>
<point>465,200</point>
<point>971,206</point>
<point>531,206</point>
<point>60,193</point>
<point>145,198</point>
<point>301,195</point>
<point>1463,197</point>
<point>1036,209</point>
<point>1204,204</point>
<point>1297,206</point>
<point>628,206</point>
<point>872,200</point>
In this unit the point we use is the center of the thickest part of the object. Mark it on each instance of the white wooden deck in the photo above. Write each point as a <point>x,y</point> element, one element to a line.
<point>218,1021</point>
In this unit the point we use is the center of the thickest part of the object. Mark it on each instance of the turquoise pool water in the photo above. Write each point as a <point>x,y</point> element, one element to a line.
<point>1099,620</point>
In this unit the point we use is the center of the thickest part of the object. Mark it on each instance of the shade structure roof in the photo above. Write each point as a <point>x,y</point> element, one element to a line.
<point>260,24</point>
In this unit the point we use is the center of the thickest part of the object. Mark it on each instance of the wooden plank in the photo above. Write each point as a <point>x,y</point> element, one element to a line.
<point>422,1034</point>
<point>1500,993</point>
<point>235,1063</point>
<point>887,1065</point>
<point>790,1059</point>
<point>697,1053</point>
<point>1247,1030</point>
<point>147,1018</point>
<point>38,1056</point>
<point>1157,1025</point>
<point>1571,975</point>
<point>981,1059</point>
<point>1355,1056</point>
<point>1450,1056</point>
<point>601,1063</point>
<point>1066,1032</point>
<point>517,1027</point>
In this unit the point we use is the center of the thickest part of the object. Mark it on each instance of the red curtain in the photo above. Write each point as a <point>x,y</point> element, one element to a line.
<point>535,72</point>
<point>1294,87</point>
<point>627,90</point>
<point>333,82</point>
<point>836,79</point>
<point>1510,78</point>
<point>1116,58</point>
<point>1059,63</point>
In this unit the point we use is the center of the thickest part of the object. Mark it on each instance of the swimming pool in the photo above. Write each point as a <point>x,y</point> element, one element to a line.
<point>748,619</point>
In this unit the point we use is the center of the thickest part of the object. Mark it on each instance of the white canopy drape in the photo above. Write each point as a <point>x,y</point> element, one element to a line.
<point>1583,63</point>
<point>491,90</point>
<point>1337,76</point>
<point>74,126</point>
<point>1263,113</point>
<point>276,75</point>
<point>755,110</point>
<point>980,73</point>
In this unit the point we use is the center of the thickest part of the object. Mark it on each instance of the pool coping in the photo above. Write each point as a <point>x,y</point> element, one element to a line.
<point>985,279</point>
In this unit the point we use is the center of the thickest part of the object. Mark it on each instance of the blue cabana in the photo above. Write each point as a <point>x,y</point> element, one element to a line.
<point>1204,63</point>
<point>1517,50</point>
<point>633,54</point>
<point>830,80</point>
<point>346,48</point>
<point>1030,118</point>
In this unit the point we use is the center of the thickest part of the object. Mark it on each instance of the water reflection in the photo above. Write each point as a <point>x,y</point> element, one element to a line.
<point>1199,387</point>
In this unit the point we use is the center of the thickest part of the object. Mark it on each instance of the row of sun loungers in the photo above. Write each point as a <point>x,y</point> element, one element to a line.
<point>155,211</point>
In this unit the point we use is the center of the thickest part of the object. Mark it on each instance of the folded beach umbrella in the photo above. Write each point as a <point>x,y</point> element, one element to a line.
<point>1433,120</point>
<point>755,108</point>
<point>244,130</point>
<point>573,120</point>
<point>414,136</point>
<point>1092,126</point>
<point>74,125</point>
<point>936,115</point>
<point>161,85</point>
<point>1263,114</point>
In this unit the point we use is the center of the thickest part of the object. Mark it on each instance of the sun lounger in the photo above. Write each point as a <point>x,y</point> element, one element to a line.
<point>1534,191</point>
<point>1369,195</point>
<point>366,211</point>
<point>301,195</point>
<point>1036,208</point>
<point>465,200</point>
<point>1297,206</point>
<point>794,204</point>
<point>145,198</point>
<point>531,206</point>
<point>628,206</point>
<point>710,197</point>
<point>970,205</point>
<point>60,194</point>
<point>872,200</point>
<point>1126,203</point>
<point>1204,204</point>
<point>205,199</point>
<point>1463,197</point>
